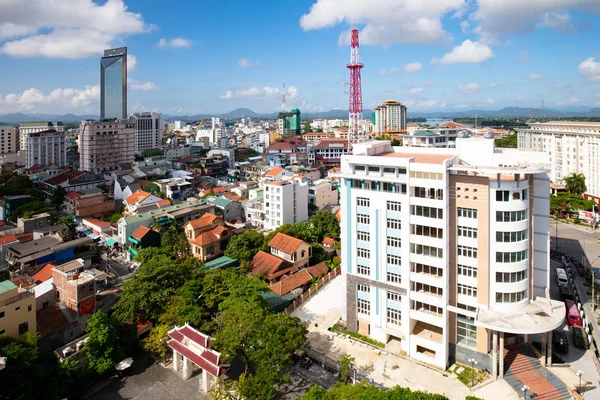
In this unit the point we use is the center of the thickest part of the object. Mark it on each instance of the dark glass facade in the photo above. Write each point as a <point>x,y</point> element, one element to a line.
<point>113,84</point>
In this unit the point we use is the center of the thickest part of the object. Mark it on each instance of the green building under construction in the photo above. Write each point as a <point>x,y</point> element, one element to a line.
<point>288,122</point>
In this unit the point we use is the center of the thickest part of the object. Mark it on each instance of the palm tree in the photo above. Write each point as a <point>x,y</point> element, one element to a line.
<point>575,183</point>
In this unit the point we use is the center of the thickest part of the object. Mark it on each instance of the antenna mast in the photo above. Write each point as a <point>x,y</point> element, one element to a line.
<point>283,105</point>
<point>543,108</point>
<point>355,109</point>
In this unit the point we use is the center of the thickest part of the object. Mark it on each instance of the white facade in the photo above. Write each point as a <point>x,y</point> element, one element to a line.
<point>389,116</point>
<point>148,130</point>
<point>285,202</point>
<point>425,248</point>
<point>573,147</point>
<point>46,148</point>
<point>33,127</point>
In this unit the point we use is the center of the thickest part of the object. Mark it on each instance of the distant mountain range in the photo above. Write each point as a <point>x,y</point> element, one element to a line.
<point>507,112</point>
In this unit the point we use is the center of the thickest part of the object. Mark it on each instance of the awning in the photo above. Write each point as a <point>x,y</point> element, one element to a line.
<point>110,242</point>
<point>133,251</point>
<point>133,240</point>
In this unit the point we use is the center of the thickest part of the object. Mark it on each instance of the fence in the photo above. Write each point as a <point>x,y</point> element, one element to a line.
<point>312,290</point>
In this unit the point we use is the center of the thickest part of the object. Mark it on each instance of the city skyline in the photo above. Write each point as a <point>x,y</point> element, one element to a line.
<point>451,55</point>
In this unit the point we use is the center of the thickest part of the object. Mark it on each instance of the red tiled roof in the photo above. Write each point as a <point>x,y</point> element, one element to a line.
<point>291,282</point>
<point>205,238</point>
<point>328,241</point>
<point>282,272</point>
<point>52,319</point>
<point>338,214</point>
<point>63,177</point>
<point>318,270</point>
<point>281,146</point>
<point>451,124</point>
<point>2,223</point>
<point>273,172</point>
<point>204,357</point>
<point>73,195</point>
<point>94,221</point>
<point>285,243</point>
<point>266,262</point>
<point>25,237</point>
<point>8,239</point>
<point>163,203</point>
<point>326,144</point>
<point>137,196</point>
<point>140,232</point>
<point>205,220</point>
<point>195,358</point>
<point>43,274</point>
<point>231,196</point>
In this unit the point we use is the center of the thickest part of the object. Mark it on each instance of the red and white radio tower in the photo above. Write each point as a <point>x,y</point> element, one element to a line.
<point>355,109</point>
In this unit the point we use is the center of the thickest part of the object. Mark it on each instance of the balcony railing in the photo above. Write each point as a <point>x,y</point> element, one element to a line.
<point>17,298</point>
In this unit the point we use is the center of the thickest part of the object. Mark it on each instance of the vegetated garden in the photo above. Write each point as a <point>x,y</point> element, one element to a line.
<point>566,205</point>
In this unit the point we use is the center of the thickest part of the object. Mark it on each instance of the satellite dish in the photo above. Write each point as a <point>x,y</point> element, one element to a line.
<point>489,134</point>
<point>463,134</point>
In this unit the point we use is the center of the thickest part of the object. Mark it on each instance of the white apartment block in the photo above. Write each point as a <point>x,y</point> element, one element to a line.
<point>285,202</point>
<point>389,116</point>
<point>33,127</point>
<point>148,128</point>
<point>441,136</point>
<point>46,148</point>
<point>9,139</point>
<point>446,251</point>
<point>573,147</point>
<point>105,145</point>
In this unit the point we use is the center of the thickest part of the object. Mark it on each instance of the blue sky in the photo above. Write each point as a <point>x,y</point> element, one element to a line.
<point>211,57</point>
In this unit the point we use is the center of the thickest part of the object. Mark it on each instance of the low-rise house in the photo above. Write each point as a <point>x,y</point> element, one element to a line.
<point>299,280</point>
<point>270,267</point>
<point>276,174</point>
<point>229,210</point>
<point>72,181</point>
<point>254,213</point>
<point>44,250</point>
<point>91,203</point>
<point>34,222</point>
<point>290,249</point>
<point>139,200</point>
<point>101,228</point>
<point>75,287</point>
<point>6,243</point>
<point>323,193</point>
<point>207,236</point>
<point>142,238</point>
<point>176,188</point>
<point>243,189</point>
<point>17,308</point>
<point>11,203</point>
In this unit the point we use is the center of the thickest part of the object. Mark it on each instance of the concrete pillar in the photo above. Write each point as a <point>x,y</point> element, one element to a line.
<point>205,381</point>
<point>495,355</point>
<point>187,368</point>
<point>501,355</point>
<point>544,337</point>
<point>175,360</point>
<point>549,352</point>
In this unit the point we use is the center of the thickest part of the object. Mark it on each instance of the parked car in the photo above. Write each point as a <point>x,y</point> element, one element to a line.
<point>580,338</point>
<point>566,293</point>
<point>560,342</point>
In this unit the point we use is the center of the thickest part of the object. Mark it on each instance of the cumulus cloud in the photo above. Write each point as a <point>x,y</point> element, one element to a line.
<point>245,63</point>
<point>385,21</point>
<point>131,62</point>
<point>58,101</point>
<point>464,26</point>
<point>468,88</point>
<point>65,29</point>
<point>255,92</point>
<point>559,21</point>
<point>497,18</point>
<point>535,77</point>
<point>178,42</point>
<point>142,86</point>
<point>467,52</point>
<point>388,71</point>
<point>590,69</point>
<point>413,67</point>
<point>415,90</point>
<point>423,104</point>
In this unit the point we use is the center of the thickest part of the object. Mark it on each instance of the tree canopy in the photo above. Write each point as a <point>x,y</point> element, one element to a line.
<point>509,141</point>
<point>244,246</point>
<point>102,347</point>
<point>363,391</point>
<point>58,197</point>
<point>565,202</point>
<point>325,224</point>
<point>575,183</point>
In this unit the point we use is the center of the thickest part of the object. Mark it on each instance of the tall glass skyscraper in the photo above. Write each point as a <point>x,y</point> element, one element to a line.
<point>113,84</point>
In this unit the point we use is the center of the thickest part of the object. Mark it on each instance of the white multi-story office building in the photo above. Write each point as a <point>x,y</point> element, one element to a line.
<point>573,147</point>
<point>106,145</point>
<point>9,139</point>
<point>38,126</point>
<point>446,251</point>
<point>46,148</point>
<point>441,136</point>
<point>285,202</point>
<point>389,116</point>
<point>148,127</point>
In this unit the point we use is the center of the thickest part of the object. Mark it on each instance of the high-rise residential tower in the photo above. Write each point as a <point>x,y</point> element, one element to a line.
<point>113,84</point>
<point>389,117</point>
<point>148,130</point>
<point>446,251</point>
<point>106,145</point>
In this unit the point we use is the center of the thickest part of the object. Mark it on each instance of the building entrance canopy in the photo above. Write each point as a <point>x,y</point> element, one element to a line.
<point>539,316</point>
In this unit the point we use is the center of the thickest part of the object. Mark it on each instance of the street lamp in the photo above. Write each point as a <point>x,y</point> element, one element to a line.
<point>579,374</point>
<point>524,389</point>
<point>473,363</point>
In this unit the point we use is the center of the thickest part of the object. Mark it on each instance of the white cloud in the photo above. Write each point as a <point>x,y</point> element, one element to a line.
<point>560,21</point>
<point>464,26</point>
<point>143,86</point>
<point>573,101</point>
<point>66,28</point>
<point>468,88</point>
<point>385,21</point>
<point>131,62</point>
<point>535,77</point>
<point>422,104</point>
<point>415,90</point>
<point>255,92</point>
<point>245,63</point>
<point>389,71</point>
<point>497,18</point>
<point>488,101</point>
<point>590,69</point>
<point>467,52</point>
<point>493,84</point>
<point>413,67</point>
<point>58,101</point>
<point>178,42</point>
